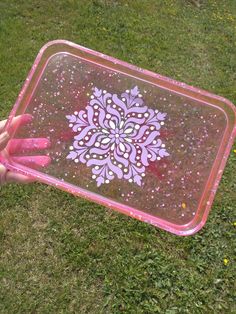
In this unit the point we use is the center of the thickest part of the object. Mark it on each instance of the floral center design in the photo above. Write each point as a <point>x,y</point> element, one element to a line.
<point>117,137</point>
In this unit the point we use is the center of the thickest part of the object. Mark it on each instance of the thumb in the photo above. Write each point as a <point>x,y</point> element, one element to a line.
<point>4,137</point>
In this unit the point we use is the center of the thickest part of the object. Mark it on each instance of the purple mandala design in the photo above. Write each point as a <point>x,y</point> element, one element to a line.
<point>117,136</point>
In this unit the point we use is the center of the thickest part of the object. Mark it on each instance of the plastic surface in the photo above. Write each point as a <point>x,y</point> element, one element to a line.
<point>124,137</point>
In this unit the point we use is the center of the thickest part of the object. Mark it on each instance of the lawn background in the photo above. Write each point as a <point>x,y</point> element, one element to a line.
<point>61,254</point>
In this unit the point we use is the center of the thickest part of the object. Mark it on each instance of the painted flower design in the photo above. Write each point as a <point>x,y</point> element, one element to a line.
<point>117,136</point>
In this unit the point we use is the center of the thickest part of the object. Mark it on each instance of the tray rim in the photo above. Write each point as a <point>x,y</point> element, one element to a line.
<point>186,229</point>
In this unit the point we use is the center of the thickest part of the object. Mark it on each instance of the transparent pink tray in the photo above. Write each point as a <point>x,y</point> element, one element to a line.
<point>124,137</point>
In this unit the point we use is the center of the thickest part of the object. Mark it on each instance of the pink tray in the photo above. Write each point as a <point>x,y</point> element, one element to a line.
<point>124,137</point>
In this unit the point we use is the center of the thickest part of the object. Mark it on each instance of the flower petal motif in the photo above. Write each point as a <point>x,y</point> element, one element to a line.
<point>112,124</point>
<point>122,147</point>
<point>117,136</point>
<point>106,140</point>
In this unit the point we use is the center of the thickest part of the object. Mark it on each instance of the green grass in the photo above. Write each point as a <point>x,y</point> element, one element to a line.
<point>61,254</point>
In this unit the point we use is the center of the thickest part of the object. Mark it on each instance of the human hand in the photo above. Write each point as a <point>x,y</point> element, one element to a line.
<point>14,147</point>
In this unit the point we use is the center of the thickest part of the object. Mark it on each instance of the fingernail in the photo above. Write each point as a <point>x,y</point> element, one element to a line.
<point>4,136</point>
<point>26,118</point>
